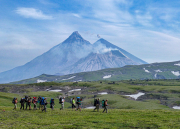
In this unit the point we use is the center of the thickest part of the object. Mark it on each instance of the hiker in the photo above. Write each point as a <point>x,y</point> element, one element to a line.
<point>34,101</point>
<point>96,103</point>
<point>39,101</point>
<point>14,101</point>
<point>105,106</point>
<point>52,103</point>
<point>61,101</point>
<point>29,102</point>
<point>22,101</point>
<point>44,103</point>
<point>73,104</point>
<point>79,103</point>
<point>26,100</point>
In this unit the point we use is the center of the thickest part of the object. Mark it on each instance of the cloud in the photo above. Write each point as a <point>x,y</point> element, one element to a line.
<point>76,15</point>
<point>32,13</point>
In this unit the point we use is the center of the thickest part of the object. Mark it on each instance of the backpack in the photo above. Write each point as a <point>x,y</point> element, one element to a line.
<point>60,100</point>
<point>26,98</point>
<point>51,101</point>
<point>42,101</point>
<point>95,102</point>
<point>71,101</point>
<point>13,101</point>
<point>78,99</point>
<point>103,103</point>
<point>22,100</point>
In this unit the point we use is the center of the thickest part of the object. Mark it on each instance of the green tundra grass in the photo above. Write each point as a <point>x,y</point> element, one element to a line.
<point>115,118</point>
<point>123,112</point>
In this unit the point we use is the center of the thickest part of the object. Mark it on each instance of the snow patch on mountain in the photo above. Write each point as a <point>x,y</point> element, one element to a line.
<point>39,81</point>
<point>69,78</point>
<point>175,73</point>
<point>108,76</point>
<point>158,71</point>
<point>155,75</point>
<point>75,90</point>
<point>147,71</point>
<point>178,64</point>
<point>135,96</point>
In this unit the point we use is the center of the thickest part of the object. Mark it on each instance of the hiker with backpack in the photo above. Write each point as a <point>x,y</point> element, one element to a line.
<point>15,103</point>
<point>61,101</point>
<point>79,103</point>
<point>34,101</point>
<point>26,101</point>
<point>73,104</point>
<point>105,106</point>
<point>52,103</point>
<point>39,102</point>
<point>96,104</point>
<point>44,103</point>
<point>29,102</point>
<point>22,101</point>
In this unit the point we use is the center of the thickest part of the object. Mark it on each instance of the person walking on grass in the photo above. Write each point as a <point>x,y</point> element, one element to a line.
<point>44,103</point>
<point>29,102</point>
<point>79,103</point>
<point>22,101</point>
<point>52,103</point>
<point>73,104</point>
<point>105,106</point>
<point>34,101</point>
<point>97,103</point>
<point>39,102</point>
<point>15,103</point>
<point>61,101</point>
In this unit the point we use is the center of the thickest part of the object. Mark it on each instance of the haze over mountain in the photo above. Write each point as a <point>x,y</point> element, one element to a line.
<point>73,55</point>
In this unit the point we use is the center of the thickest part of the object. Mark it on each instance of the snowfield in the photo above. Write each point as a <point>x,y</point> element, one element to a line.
<point>147,71</point>
<point>74,90</point>
<point>155,75</point>
<point>103,93</point>
<point>69,78</point>
<point>135,96</point>
<point>39,81</point>
<point>176,107</point>
<point>108,76</point>
<point>158,71</point>
<point>178,64</point>
<point>175,73</point>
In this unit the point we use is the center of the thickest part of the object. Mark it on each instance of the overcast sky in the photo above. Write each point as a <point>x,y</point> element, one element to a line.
<point>148,29</point>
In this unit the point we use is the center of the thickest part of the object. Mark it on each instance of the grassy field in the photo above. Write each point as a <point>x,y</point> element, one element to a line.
<point>124,112</point>
<point>115,118</point>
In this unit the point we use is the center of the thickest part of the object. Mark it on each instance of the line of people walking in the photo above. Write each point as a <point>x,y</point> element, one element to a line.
<point>41,102</point>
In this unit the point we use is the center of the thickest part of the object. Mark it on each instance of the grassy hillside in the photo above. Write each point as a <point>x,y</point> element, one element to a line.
<point>134,72</point>
<point>152,110</point>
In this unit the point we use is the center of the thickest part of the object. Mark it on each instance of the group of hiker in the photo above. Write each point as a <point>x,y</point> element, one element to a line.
<point>41,103</point>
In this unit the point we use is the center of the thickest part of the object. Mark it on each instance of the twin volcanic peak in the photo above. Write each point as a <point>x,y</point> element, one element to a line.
<point>73,55</point>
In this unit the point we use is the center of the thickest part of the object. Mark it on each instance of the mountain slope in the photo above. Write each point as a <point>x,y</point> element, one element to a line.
<point>73,55</point>
<point>102,42</point>
<point>170,70</point>
<point>98,61</point>
<point>51,62</point>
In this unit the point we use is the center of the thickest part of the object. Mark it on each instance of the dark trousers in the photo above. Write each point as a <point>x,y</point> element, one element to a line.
<point>97,107</point>
<point>105,109</point>
<point>52,106</point>
<point>26,105</point>
<point>44,108</point>
<point>22,106</point>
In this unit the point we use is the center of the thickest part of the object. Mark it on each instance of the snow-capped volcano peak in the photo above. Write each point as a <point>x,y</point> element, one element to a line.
<point>75,37</point>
